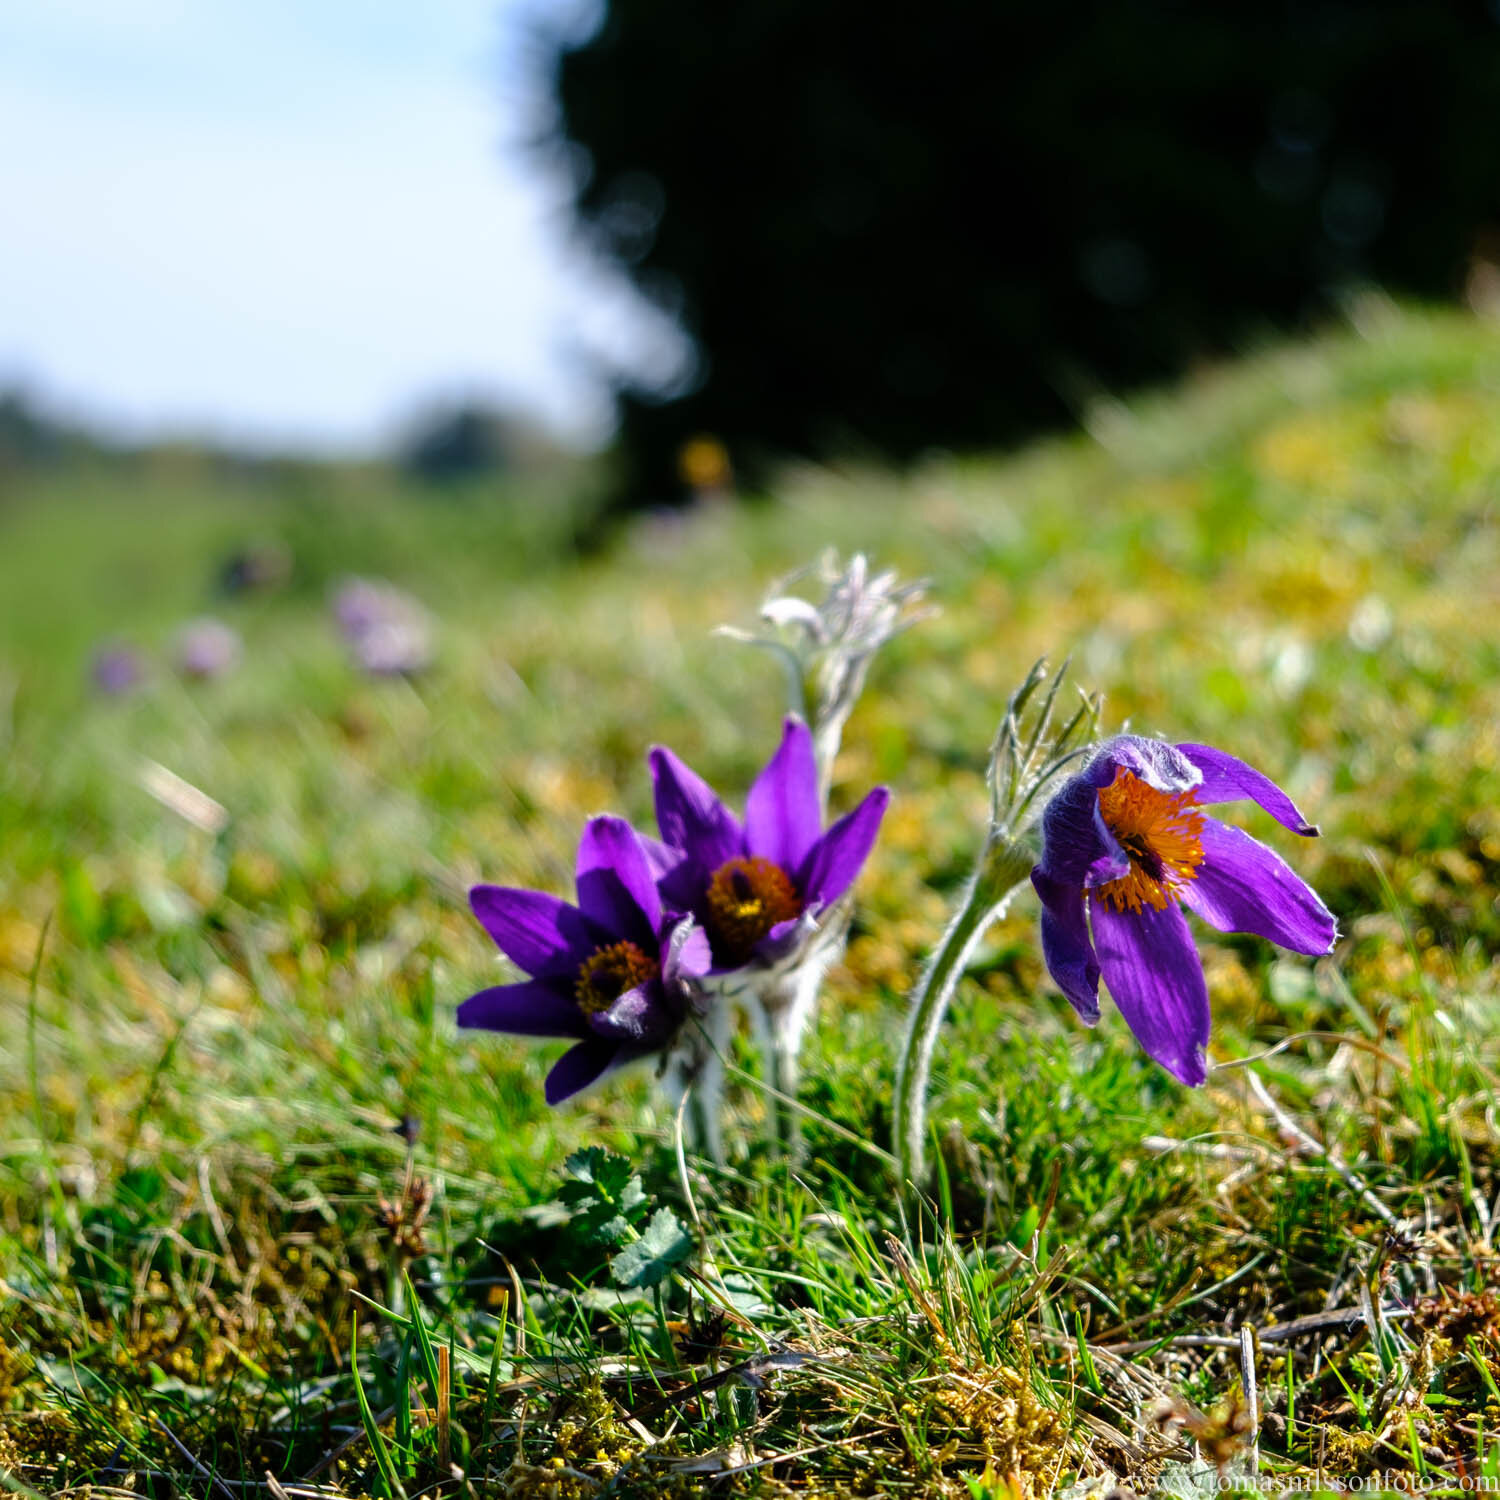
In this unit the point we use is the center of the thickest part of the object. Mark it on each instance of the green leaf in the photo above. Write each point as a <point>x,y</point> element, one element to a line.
<point>610,1232</point>
<point>602,1170</point>
<point>633,1199</point>
<point>367,1417</point>
<point>663,1245</point>
<point>424,1337</point>
<point>604,1194</point>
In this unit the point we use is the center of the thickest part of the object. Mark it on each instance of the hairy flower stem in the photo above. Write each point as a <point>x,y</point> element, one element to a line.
<point>1003,865</point>
<point>784,1123</point>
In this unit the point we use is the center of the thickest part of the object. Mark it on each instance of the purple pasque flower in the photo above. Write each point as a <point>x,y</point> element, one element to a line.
<point>758,886</point>
<point>613,972</point>
<point>389,634</point>
<point>208,648</point>
<point>1127,837</point>
<point>117,669</point>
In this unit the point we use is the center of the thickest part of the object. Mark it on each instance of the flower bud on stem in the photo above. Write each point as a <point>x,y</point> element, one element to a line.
<point>1023,763</point>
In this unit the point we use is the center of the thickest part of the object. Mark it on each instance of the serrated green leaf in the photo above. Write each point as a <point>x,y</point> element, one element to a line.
<point>663,1245</point>
<point>604,1171</point>
<point>610,1232</point>
<point>604,1196</point>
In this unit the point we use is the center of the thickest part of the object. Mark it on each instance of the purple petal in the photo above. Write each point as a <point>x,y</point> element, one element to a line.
<point>580,1066</point>
<point>1228,779</point>
<point>1155,977</point>
<point>785,938</point>
<point>662,858</point>
<point>684,886</point>
<point>783,814</point>
<point>615,884</point>
<point>685,952</point>
<point>680,879</point>
<point>1244,887</point>
<point>1066,946</point>
<point>540,933</point>
<point>533,1008</point>
<point>691,818</point>
<point>836,858</point>
<point>1071,837</point>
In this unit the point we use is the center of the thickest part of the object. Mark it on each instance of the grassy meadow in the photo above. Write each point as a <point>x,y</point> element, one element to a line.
<point>270,1225</point>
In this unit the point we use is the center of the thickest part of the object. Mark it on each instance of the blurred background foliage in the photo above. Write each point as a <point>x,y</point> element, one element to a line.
<point>889,231</point>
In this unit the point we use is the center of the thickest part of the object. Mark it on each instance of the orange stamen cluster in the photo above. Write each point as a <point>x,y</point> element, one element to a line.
<point>609,972</point>
<point>1161,832</point>
<point>746,899</point>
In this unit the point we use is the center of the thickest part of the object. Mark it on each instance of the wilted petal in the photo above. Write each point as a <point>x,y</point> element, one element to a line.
<point>533,1008</point>
<point>837,857</point>
<point>1066,946</point>
<point>1242,886</point>
<point>539,932</point>
<point>783,815</point>
<point>690,817</point>
<point>1228,779</point>
<point>1155,977</point>
<point>615,884</point>
<point>580,1066</point>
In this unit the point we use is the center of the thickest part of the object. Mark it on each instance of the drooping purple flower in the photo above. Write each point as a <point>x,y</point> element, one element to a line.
<point>117,669</point>
<point>208,648</point>
<point>1127,840</point>
<point>757,885</point>
<point>613,972</point>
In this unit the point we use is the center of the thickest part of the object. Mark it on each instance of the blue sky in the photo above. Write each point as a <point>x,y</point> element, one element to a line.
<point>292,222</point>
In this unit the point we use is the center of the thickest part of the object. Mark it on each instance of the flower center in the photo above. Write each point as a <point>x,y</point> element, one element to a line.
<point>1162,835</point>
<point>746,899</point>
<point>609,972</point>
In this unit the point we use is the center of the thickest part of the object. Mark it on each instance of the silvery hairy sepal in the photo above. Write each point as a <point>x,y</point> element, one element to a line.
<point>1030,753</point>
<point>827,647</point>
<point>779,995</point>
<point>693,1068</point>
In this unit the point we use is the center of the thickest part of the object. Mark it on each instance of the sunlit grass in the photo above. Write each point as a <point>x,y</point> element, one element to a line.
<point>210,1040</point>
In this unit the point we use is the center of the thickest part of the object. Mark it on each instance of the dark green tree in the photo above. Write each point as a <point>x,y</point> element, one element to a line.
<point>891,227</point>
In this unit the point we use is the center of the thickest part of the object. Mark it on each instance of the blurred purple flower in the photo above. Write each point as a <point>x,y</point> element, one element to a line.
<point>358,604</point>
<point>117,669</point>
<point>758,886</point>
<point>387,631</point>
<point>208,648</point>
<point>613,972</point>
<point>1127,832</point>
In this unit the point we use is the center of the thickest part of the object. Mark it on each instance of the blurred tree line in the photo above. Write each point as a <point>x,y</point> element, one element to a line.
<point>448,444</point>
<point>894,227</point>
